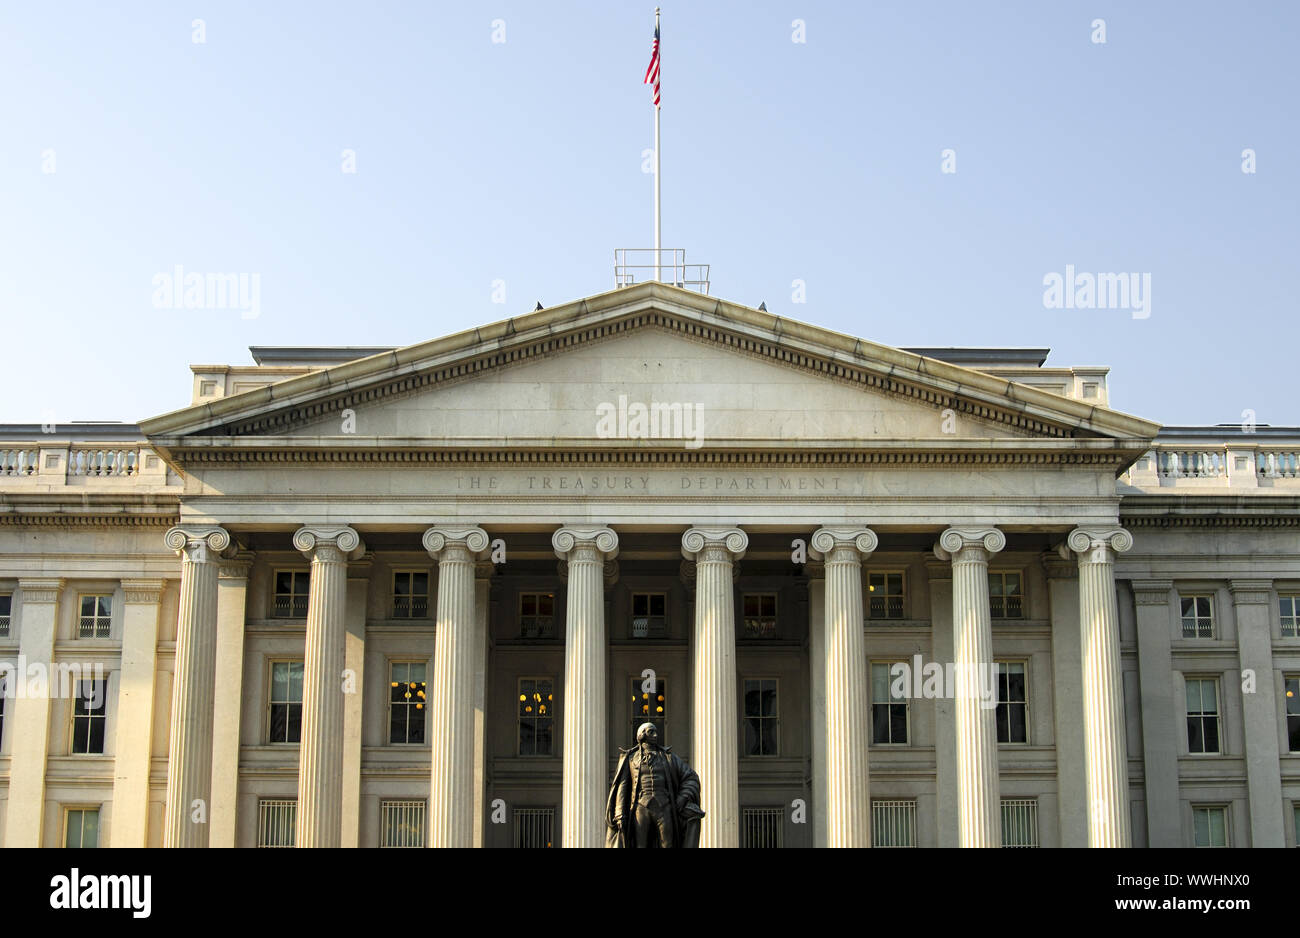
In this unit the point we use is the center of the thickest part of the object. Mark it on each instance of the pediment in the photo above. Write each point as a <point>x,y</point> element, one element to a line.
<point>556,378</point>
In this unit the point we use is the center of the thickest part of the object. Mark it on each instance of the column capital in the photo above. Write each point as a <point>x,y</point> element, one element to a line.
<point>200,543</point>
<point>236,567</point>
<point>438,539</point>
<point>570,537</point>
<point>1098,545</point>
<point>142,592</point>
<point>1250,592</point>
<point>956,540</point>
<point>828,539</point>
<point>323,541</point>
<point>41,590</point>
<point>697,540</point>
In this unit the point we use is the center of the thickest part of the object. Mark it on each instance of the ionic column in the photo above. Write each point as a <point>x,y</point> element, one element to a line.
<point>320,760</point>
<point>715,731</point>
<point>1105,754</point>
<point>979,810</point>
<point>30,727</point>
<point>585,551</point>
<point>135,703</point>
<point>451,733</point>
<point>844,650</point>
<point>189,756</point>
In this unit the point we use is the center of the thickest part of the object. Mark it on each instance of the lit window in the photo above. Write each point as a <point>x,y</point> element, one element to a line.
<point>762,827</point>
<point>291,590</point>
<point>89,715</point>
<point>96,616</point>
<point>536,615</point>
<point>6,607</point>
<point>1202,715</point>
<point>1210,825</point>
<point>888,712</point>
<point>762,724</point>
<point>1293,712</point>
<point>410,595</point>
<point>885,595</point>
<point>286,702</point>
<point>277,819</point>
<point>649,706</point>
<point>760,615</point>
<point>1288,606</point>
<point>407,702</point>
<point>534,827</point>
<point>1006,601</point>
<point>649,615</point>
<point>537,716</point>
<point>1020,822</point>
<point>82,827</point>
<point>1198,616</point>
<point>1013,702</point>
<point>893,823</point>
<point>403,823</point>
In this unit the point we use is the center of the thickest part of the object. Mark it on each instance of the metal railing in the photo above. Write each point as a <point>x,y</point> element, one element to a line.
<point>667,265</point>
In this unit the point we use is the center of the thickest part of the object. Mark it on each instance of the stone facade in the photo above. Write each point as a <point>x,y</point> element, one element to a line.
<point>422,596</point>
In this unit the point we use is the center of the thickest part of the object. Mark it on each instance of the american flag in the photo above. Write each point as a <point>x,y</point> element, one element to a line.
<point>652,72</point>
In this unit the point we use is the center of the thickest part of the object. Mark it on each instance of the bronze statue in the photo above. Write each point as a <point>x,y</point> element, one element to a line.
<point>654,800</point>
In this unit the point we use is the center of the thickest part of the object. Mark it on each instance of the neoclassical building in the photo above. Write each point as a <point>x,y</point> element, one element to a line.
<point>874,596</point>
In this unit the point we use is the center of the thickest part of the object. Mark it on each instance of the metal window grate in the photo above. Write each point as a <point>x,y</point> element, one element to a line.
<point>96,616</point>
<point>1020,822</point>
<point>403,823</point>
<point>893,823</point>
<point>1289,611</point>
<point>534,827</point>
<point>276,822</point>
<point>761,827</point>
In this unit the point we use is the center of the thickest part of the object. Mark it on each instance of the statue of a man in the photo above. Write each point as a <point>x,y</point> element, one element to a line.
<point>655,798</point>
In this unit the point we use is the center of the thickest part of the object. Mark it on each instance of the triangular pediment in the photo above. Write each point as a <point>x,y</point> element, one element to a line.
<point>567,377</point>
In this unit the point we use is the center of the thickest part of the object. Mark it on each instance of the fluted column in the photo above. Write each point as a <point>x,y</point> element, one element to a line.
<point>1105,752</point>
<point>979,810</point>
<point>451,734</point>
<point>320,760</point>
<point>189,756</point>
<point>585,550</point>
<point>844,648</point>
<point>715,730</point>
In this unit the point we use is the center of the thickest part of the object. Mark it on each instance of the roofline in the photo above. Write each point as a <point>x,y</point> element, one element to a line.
<point>989,357</point>
<point>76,431</point>
<point>304,354</point>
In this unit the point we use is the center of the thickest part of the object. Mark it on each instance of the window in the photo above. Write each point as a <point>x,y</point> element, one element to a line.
<point>286,702</point>
<point>6,607</point>
<point>1288,606</point>
<point>537,716</point>
<point>403,823</point>
<point>761,717</point>
<point>888,713</point>
<point>81,826</point>
<point>534,827</point>
<point>96,616</point>
<point>761,827</point>
<point>1013,702</point>
<point>1006,601</point>
<point>89,715</point>
<point>649,615</point>
<point>410,595</point>
<point>1292,712</point>
<point>1203,714</point>
<point>760,615</point>
<point>291,590</point>
<point>1020,822</point>
<point>1198,616</point>
<point>406,702</point>
<point>649,707</point>
<point>885,595</point>
<point>893,823</point>
<point>1210,825</point>
<point>277,819</point>
<point>536,615</point>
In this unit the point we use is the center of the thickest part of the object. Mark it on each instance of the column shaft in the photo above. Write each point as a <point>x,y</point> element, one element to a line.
<point>135,706</point>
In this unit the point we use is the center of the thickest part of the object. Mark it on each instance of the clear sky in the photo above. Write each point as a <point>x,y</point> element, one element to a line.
<point>127,148</point>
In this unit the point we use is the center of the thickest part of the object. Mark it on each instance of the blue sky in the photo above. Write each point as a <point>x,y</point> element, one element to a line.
<point>521,161</point>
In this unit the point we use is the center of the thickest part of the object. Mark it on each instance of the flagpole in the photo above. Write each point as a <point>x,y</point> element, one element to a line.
<point>659,272</point>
